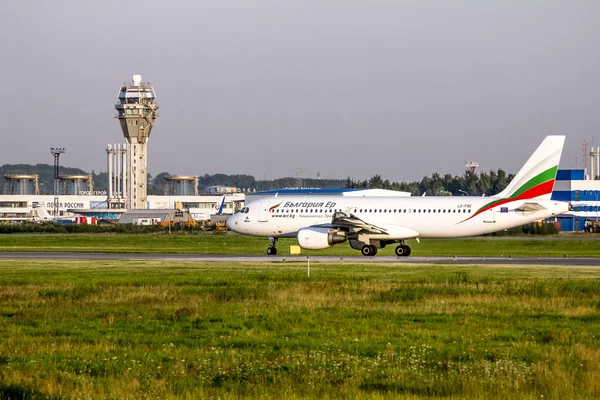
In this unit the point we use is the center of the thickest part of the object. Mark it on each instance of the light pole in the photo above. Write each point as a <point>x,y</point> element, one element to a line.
<point>462,191</point>
<point>56,152</point>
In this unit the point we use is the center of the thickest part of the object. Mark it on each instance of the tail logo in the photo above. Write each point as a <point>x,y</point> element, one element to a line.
<point>537,186</point>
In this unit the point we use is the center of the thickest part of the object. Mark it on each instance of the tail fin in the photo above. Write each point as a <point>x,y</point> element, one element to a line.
<point>219,205</point>
<point>42,213</point>
<point>536,179</point>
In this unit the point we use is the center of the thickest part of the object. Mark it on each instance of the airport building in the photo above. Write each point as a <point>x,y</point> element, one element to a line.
<point>136,109</point>
<point>21,184</point>
<point>74,196</point>
<point>574,186</point>
<point>28,207</point>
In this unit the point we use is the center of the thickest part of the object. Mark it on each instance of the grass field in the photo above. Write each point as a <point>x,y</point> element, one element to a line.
<point>113,329</point>
<point>231,243</point>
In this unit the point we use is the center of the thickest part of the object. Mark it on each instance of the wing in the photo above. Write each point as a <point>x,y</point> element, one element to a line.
<point>351,223</point>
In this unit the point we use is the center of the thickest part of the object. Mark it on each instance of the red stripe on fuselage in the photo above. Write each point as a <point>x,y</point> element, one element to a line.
<point>536,191</point>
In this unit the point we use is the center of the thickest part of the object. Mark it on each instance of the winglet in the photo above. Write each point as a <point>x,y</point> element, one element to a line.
<point>536,179</point>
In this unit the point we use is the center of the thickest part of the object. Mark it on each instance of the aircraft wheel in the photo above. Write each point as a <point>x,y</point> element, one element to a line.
<point>407,251</point>
<point>272,251</point>
<point>400,251</point>
<point>368,250</point>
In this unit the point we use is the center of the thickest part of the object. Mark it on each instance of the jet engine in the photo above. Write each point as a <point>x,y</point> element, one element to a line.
<point>320,238</point>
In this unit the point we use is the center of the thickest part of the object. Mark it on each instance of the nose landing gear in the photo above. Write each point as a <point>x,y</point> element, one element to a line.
<point>272,249</point>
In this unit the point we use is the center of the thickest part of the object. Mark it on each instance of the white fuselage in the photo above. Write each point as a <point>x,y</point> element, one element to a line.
<point>428,217</point>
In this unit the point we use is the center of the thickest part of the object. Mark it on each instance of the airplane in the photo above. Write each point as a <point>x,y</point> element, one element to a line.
<point>42,214</point>
<point>201,214</point>
<point>38,214</point>
<point>371,223</point>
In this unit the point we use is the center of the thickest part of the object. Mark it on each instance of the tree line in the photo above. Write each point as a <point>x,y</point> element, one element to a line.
<point>474,184</point>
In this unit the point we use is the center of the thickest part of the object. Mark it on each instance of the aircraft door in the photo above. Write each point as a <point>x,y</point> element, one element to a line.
<point>264,211</point>
<point>489,216</point>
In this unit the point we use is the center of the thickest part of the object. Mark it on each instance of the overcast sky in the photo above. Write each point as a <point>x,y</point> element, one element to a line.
<point>345,88</point>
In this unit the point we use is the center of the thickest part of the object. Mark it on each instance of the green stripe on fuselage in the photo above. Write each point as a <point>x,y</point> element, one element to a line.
<point>545,176</point>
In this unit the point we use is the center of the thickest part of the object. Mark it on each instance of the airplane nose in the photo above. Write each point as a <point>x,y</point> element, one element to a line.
<point>231,223</point>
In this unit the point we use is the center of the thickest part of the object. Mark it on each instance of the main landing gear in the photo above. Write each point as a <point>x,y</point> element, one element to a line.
<point>272,250</point>
<point>368,250</point>
<point>402,250</point>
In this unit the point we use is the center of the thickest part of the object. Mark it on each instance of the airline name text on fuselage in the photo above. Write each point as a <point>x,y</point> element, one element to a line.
<point>308,204</point>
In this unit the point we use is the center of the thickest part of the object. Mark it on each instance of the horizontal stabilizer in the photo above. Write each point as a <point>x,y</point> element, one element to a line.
<point>530,207</point>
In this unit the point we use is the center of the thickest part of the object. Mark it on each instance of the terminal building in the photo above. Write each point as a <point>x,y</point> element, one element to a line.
<point>181,186</point>
<point>21,184</point>
<point>574,186</point>
<point>20,203</point>
<point>36,208</point>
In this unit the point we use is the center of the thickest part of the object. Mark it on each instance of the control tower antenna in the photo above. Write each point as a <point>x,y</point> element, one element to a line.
<point>136,111</point>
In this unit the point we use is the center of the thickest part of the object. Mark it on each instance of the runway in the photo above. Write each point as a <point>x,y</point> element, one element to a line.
<point>230,258</point>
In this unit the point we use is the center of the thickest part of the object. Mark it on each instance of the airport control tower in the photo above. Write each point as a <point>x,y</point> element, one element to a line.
<point>136,111</point>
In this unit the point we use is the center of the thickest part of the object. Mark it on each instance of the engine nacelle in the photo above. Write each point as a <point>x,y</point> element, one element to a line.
<point>320,238</point>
